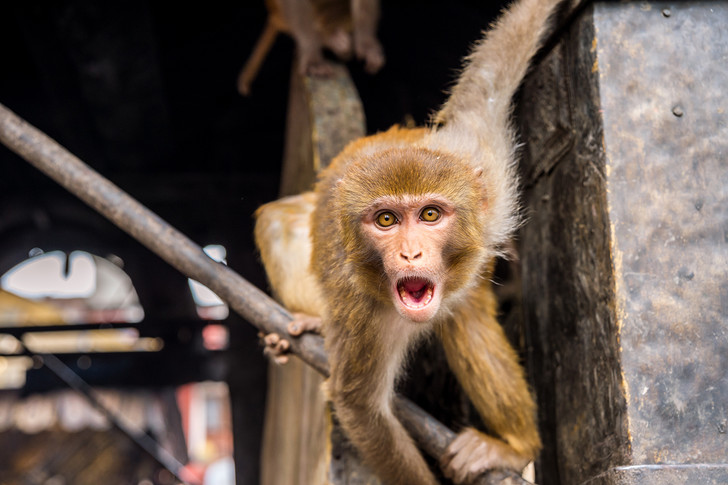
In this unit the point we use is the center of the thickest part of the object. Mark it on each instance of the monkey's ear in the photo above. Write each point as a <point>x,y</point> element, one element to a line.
<point>480,181</point>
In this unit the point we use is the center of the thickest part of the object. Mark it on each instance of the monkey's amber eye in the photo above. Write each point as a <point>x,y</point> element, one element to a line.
<point>386,219</point>
<point>430,214</point>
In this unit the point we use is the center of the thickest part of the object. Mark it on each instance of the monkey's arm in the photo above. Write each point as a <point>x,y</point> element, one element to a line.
<point>365,355</point>
<point>487,367</point>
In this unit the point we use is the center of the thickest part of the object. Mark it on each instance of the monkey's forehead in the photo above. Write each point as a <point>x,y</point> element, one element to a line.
<point>408,170</point>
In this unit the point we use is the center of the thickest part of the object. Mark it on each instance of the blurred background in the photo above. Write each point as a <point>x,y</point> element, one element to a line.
<point>114,368</point>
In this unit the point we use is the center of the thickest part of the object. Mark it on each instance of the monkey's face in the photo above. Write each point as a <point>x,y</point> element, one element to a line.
<point>409,233</point>
<point>411,226</point>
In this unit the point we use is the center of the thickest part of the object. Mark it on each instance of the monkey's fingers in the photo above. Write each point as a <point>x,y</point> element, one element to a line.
<point>462,455</point>
<point>303,322</point>
<point>472,452</point>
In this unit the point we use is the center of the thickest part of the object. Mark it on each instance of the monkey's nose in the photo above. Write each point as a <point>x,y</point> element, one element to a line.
<point>407,257</point>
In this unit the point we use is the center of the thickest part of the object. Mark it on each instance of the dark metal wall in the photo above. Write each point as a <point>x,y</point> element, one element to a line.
<point>625,252</point>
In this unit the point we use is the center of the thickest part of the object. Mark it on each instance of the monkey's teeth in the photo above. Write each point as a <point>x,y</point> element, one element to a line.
<point>415,292</point>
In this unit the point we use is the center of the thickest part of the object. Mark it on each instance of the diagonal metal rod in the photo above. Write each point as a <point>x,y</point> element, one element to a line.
<point>139,437</point>
<point>187,257</point>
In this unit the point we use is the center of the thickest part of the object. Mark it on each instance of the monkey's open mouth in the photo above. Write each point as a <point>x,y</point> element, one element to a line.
<point>415,292</point>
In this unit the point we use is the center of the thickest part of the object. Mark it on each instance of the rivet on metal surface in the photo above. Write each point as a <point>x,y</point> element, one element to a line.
<point>685,274</point>
<point>666,12</point>
<point>678,111</point>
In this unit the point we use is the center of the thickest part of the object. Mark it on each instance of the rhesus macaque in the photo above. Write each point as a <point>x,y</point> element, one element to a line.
<point>338,25</point>
<point>398,241</point>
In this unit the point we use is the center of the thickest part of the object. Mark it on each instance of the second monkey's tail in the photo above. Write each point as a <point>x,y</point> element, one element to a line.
<point>498,62</point>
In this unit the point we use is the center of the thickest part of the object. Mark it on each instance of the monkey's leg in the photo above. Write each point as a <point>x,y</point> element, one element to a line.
<point>365,18</point>
<point>339,42</point>
<point>300,16</point>
<point>487,367</point>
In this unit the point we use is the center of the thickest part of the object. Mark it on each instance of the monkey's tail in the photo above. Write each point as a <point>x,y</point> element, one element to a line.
<point>498,62</point>
<point>250,70</point>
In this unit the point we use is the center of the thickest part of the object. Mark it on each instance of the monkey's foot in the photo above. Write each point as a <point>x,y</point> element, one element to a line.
<point>339,42</point>
<point>277,347</point>
<point>312,63</point>
<point>472,452</point>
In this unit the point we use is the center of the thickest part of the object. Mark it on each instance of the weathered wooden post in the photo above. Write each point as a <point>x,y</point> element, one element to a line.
<point>625,254</point>
<point>323,115</point>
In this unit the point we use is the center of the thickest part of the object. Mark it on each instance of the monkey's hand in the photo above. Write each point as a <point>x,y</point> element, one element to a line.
<point>473,452</point>
<point>277,347</point>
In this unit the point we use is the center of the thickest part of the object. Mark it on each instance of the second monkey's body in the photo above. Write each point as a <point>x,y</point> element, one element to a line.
<point>404,227</point>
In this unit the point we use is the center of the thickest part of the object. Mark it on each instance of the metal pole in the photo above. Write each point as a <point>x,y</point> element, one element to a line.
<point>148,228</point>
<point>139,437</point>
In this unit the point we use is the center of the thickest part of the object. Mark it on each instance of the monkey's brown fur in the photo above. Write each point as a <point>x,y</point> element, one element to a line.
<point>463,168</point>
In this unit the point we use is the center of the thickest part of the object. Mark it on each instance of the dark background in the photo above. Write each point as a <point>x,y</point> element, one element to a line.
<point>146,95</point>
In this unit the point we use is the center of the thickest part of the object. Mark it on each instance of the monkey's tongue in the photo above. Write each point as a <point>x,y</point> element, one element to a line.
<point>415,292</point>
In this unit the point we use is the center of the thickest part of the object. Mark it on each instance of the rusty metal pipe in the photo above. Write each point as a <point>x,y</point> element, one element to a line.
<point>178,250</point>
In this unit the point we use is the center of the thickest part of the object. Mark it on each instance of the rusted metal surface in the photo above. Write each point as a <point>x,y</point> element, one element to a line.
<point>663,81</point>
<point>625,252</point>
